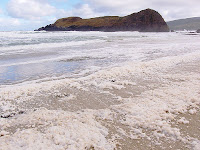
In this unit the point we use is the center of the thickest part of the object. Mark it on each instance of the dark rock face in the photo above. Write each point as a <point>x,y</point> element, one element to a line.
<point>144,21</point>
<point>198,31</point>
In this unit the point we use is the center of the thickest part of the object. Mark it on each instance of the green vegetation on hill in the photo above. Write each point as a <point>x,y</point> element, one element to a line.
<point>95,22</point>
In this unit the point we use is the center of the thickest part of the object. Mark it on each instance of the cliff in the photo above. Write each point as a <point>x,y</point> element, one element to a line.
<point>144,21</point>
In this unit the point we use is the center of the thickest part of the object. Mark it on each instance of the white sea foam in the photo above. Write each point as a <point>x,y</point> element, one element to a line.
<point>153,112</point>
<point>21,48</point>
<point>60,130</point>
<point>165,89</point>
<point>102,78</point>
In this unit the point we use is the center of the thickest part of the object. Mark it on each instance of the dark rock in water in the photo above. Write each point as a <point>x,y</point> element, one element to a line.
<point>198,31</point>
<point>144,21</point>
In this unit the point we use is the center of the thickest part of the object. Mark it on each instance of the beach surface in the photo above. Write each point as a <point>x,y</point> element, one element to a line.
<point>102,91</point>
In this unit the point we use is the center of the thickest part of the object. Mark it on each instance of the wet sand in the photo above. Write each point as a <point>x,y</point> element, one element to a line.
<point>150,105</point>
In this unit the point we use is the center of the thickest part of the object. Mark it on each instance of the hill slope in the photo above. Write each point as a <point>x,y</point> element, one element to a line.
<point>188,24</point>
<point>145,21</point>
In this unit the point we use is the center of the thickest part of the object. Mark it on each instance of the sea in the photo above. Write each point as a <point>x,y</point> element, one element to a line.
<point>99,90</point>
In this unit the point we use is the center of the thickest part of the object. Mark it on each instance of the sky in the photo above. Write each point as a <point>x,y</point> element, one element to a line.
<point>32,14</point>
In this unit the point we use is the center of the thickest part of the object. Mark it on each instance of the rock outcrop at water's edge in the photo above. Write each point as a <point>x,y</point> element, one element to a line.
<point>147,20</point>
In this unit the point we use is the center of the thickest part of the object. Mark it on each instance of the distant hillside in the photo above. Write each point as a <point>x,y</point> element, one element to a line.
<point>188,24</point>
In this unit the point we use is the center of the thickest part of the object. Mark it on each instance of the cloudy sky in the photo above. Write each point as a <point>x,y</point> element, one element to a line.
<point>32,14</point>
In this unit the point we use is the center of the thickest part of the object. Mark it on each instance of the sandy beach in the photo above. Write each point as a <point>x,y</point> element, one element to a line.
<point>148,101</point>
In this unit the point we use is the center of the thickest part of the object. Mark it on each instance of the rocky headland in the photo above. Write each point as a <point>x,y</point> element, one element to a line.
<point>147,20</point>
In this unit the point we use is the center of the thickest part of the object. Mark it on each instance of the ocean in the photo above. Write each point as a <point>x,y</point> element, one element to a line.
<point>99,90</point>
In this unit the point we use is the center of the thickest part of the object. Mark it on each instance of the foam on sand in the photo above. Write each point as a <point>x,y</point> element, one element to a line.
<point>55,130</point>
<point>142,101</point>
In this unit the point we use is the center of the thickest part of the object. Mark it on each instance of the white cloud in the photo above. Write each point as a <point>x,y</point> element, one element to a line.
<point>169,9</point>
<point>11,24</point>
<point>7,24</point>
<point>82,10</point>
<point>9,21</point>
<point>85,11</point>
<point>61,0</point>
<point>32,14</point>
<point>30,9</point>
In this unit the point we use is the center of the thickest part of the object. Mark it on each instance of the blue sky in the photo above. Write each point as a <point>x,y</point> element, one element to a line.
<point>32,14</point>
